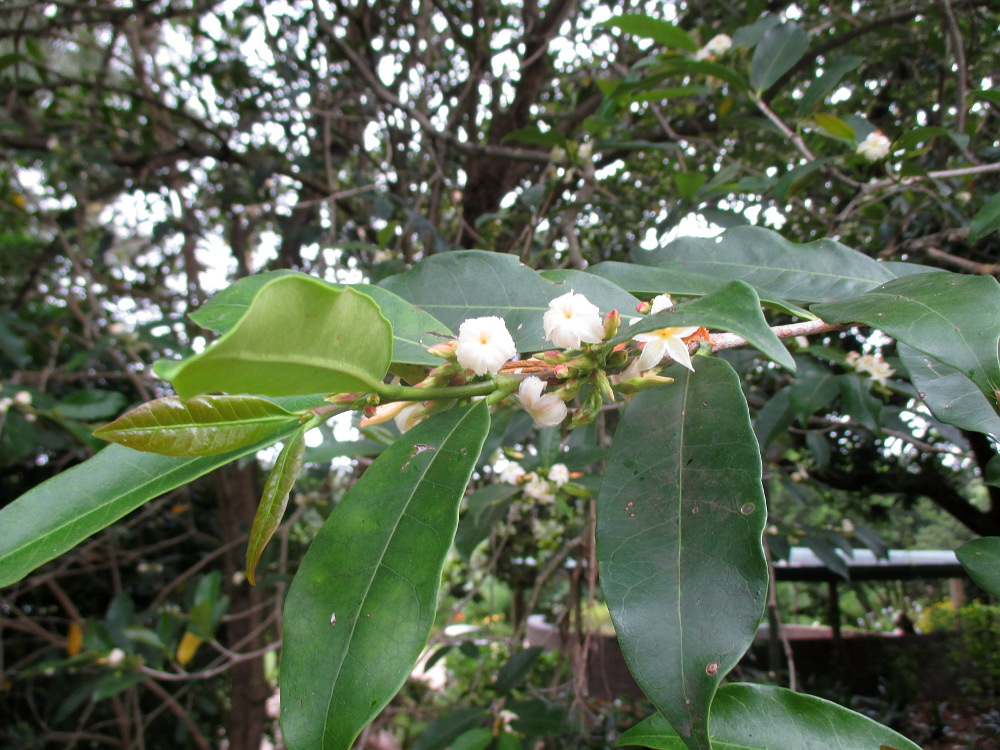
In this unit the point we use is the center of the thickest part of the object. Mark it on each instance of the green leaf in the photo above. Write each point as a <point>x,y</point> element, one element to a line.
<point>664,32</point>
<point>986,220</point>
<point>834,126</point>
<point>685,607</point>
<point>776,53</point>
<point>91,404</point>
<point>814,388</point>
<point>735,308</point>
<point>533,135</point>
<point>752,717</point>
<point>466,284</point>
<point>298,336</point>
<point>991,474</point>
<point>860,404</point>
<point>951,397</point>
<point>671,280</point>
<point>363,601</point>
<point>61,512</point>
<point>939,314</point>
<point>440,733</point>
<point>474,739</point>
<point>794,178</point>
<point>516,669</point>
<point>981,560</point>
<point>689,183</point>
<point>811,272</point>
<point>485,507</point>
<point>274,499</point>
<point>827,82</point>
<point>225,308</point>
<point>201,426</point>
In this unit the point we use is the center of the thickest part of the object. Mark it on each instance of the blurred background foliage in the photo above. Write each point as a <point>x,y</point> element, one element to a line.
<point>152,152</point>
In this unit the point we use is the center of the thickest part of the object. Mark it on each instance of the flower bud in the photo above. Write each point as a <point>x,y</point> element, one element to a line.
<point>444,350</point>
<point>612,322</point>
<point>643,307</point>
<point>602,385</point>
<point>634,385</point>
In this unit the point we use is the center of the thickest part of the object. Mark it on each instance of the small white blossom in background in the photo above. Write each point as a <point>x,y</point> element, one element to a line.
<point>660,303</point>
<point>512,473</point>
<point>505,717</point>
<point>558,155</point>
<point>876,367</point>
<point>22,398</point>
<point>559,474</point>
<point>545,531</point>
<point>484,345</point>
<point>571,320</point>
<point>875,146</point>
<point>548,410</point>
<point>538,489</point>
<point>665,341</point>
<point>5,404</point>
<point>718,45</point>
<point>115,657</point>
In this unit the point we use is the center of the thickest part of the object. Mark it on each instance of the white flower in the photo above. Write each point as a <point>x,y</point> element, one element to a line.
<point>660,303</point>
<point>484,344</point>
<point>717,45</point>
<point>505,717</point>
<point>874,366</point>
<point>22,398</point>
<point>559,474</point>
<point>511,473</point>
<point>548,410</point>
<point>115,657</point>
<point>407,417</point>
<point>665,340</point>
<point>875,146</point>
<point>572,319</point>
<point>538,489</point>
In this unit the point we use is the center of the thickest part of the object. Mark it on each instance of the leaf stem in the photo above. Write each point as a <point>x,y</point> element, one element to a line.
<point>388,392</point>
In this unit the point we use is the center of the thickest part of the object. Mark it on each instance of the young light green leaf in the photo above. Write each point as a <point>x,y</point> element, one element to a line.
<point>981,560</point>
<point>834,126</point>
<point>986,220</point>
<point>734,308</point>
<point>684,606</point>
<point>58,514</point>
<point>811,272</point>
<point>951,317</point>
<point>362,603</point>
<point>201,426</point>
<point>776,53</point>
<point>274,499</point>
<point>763,717</point>
<point>298,336</point>
<point>664,32</point>
<point>951,397</point>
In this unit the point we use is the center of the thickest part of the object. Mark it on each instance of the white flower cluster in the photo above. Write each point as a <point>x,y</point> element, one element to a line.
<point>872,365</point>
<point>664,340</point>
<point>874,147</point>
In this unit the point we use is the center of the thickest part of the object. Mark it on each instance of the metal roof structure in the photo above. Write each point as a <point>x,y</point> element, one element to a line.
<point>804,565</point>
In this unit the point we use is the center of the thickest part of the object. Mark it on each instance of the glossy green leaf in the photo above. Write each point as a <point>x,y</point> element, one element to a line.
<point>201,426</point>
<point>812,272</point>
<point>815,388</point>
<point>981,560</point>
<point>991,474</point>
<point>986,220</point>
<point>763,717</point>
<point>516,669</point>
<point>827,82</point>
<point>472,284</point>
<point>440,733</point>
<point>58,514</point>
<point>670,280</point>
<point>689,183</point>
<point>298,336</point>
<point>951,317</point>
<point>473,739</point>
<point>859,403</point>
<point>224,309</point>
<point>664,32</point>
<point>776,53</point>
<point>735,308</point>
<point>951,397</point>
<point>685,607</point>
<point>774,418</point>
<point>362,603</point>
<point>274,499</point>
